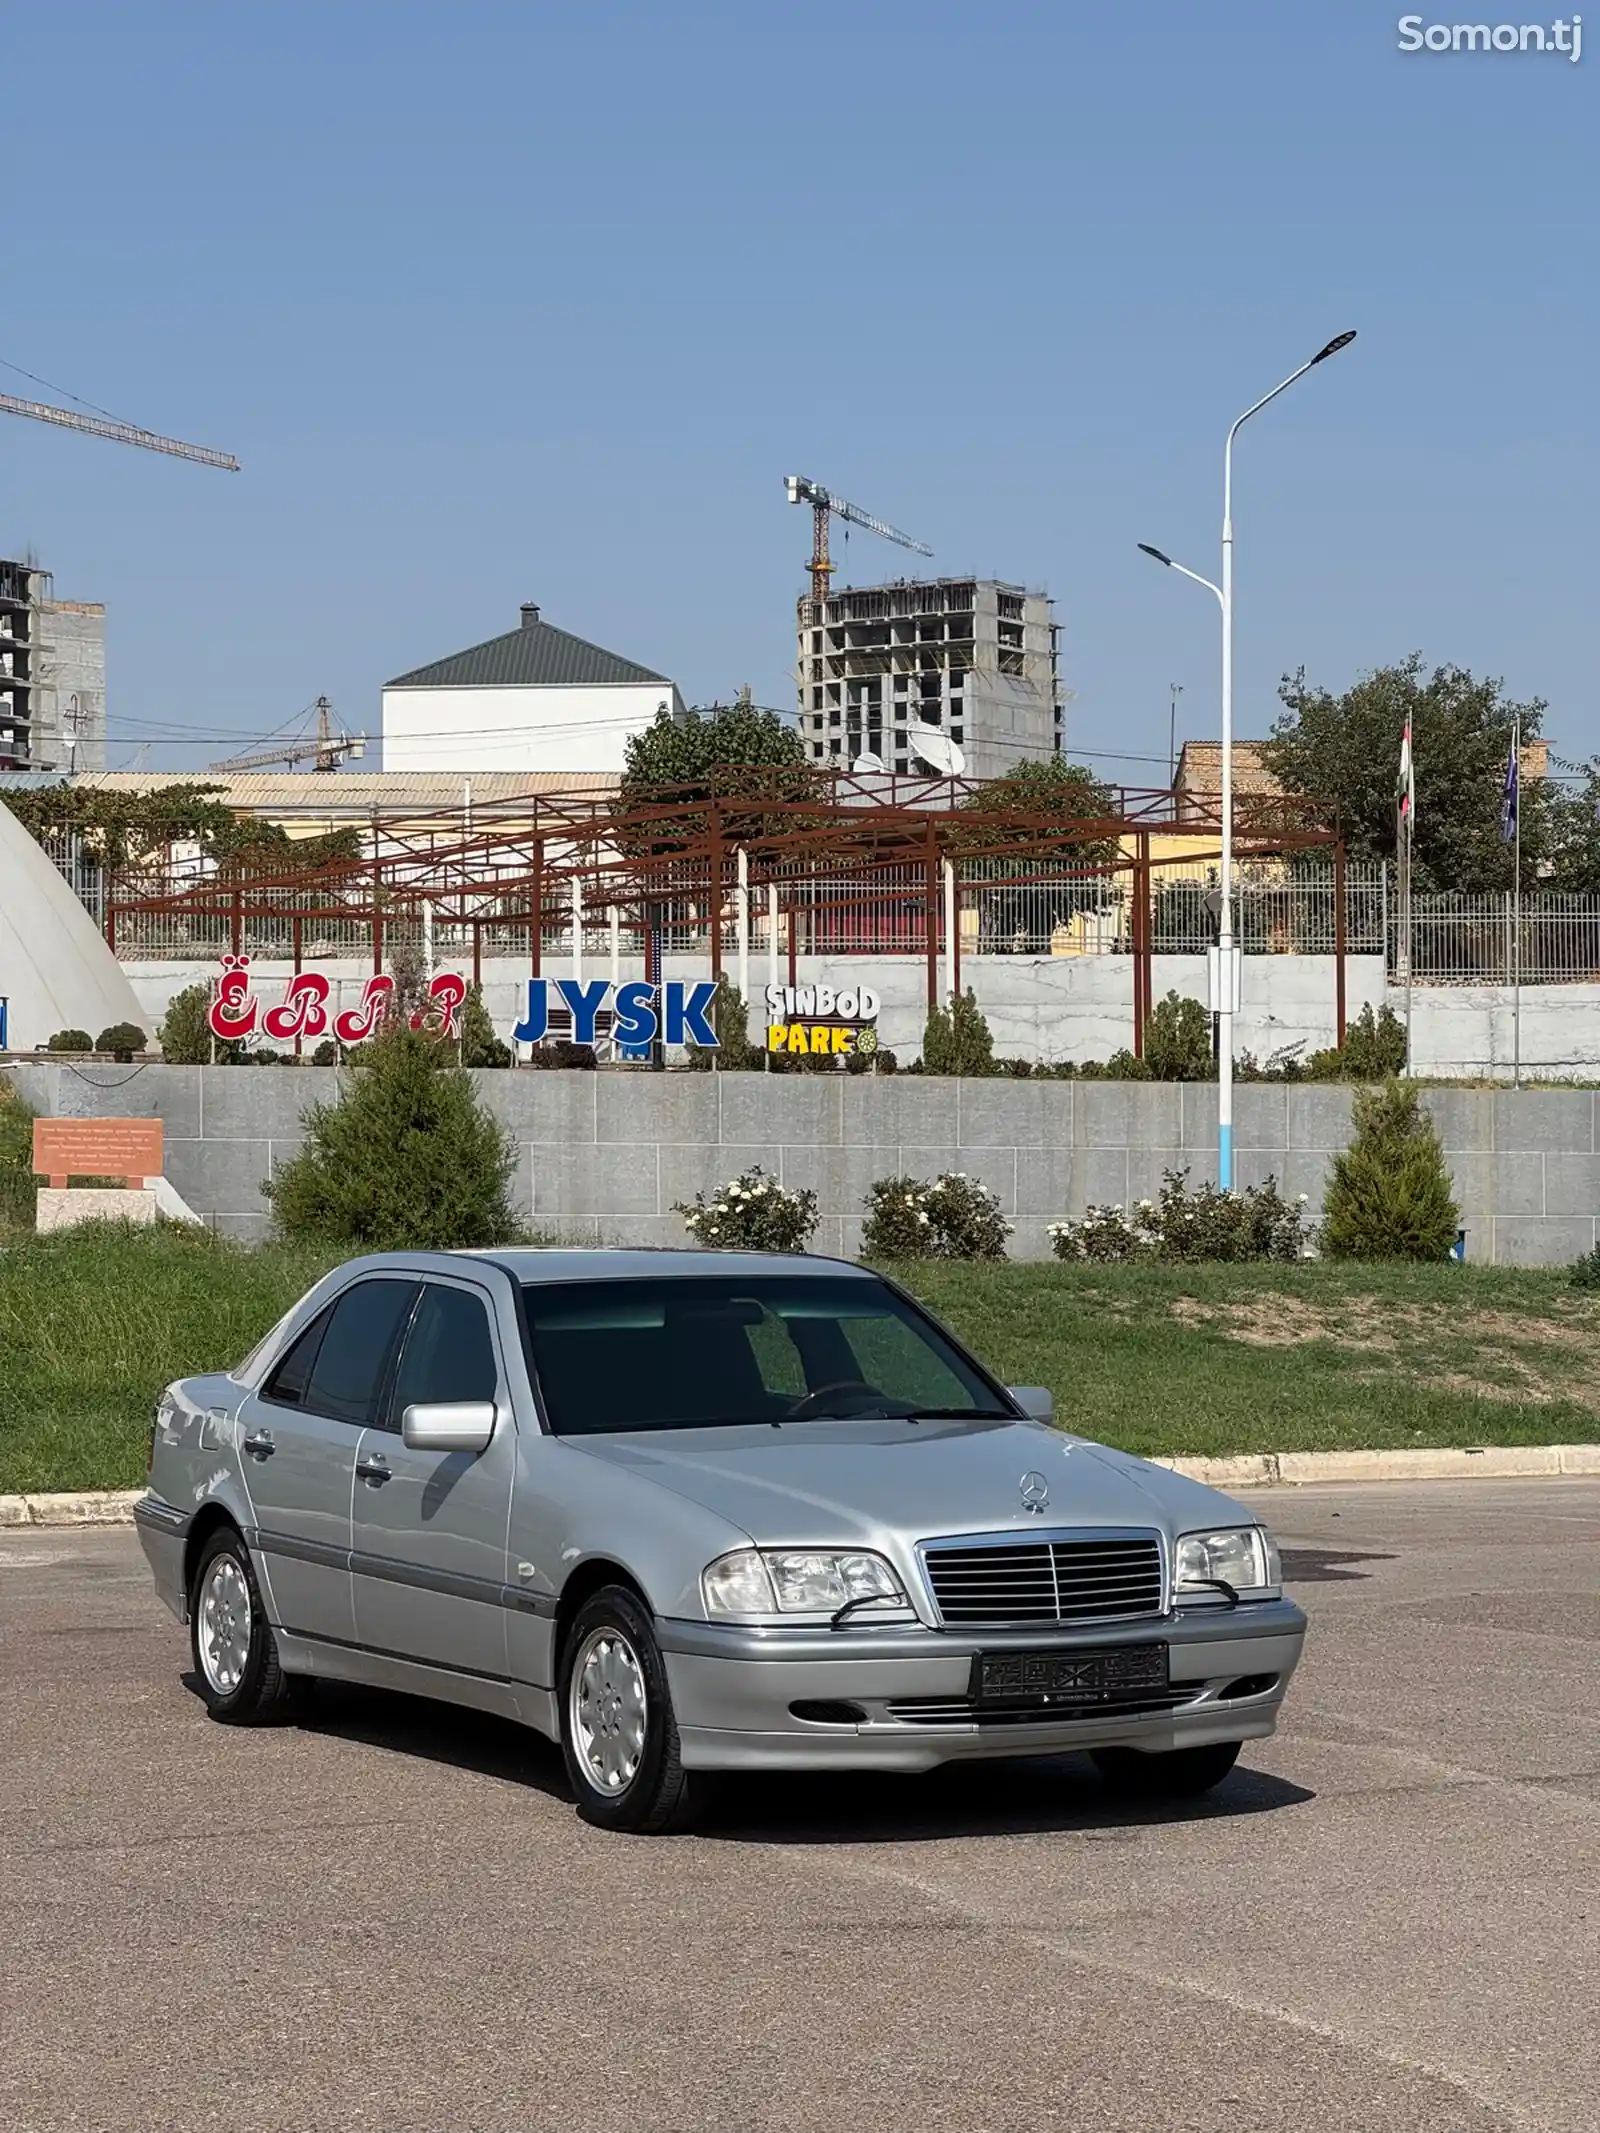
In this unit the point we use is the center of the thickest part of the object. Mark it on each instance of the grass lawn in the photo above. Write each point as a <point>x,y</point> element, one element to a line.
<point>1159,1359</point>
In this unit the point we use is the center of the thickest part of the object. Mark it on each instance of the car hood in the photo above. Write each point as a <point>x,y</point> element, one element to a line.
<point>833,1483</point>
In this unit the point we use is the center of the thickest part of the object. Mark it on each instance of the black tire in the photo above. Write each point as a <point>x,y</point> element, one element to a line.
<point>1179,1774</point>
<point>258,1692</point>
<point>657,1795</point>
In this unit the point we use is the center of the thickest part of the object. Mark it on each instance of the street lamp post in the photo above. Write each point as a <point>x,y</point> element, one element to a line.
<point>1225,930</point>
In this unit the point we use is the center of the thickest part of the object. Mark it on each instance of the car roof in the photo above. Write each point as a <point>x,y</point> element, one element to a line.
<point>558,1263</point>
<point>601,1263</point>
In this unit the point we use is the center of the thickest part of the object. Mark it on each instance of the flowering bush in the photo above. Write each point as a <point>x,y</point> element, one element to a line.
<point>953,1218</point>
<point>1184,1226</point>
<point>752,1213</point>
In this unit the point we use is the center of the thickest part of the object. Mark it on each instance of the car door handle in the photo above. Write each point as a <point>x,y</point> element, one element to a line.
<point>260,1444</point>
<point>374,1471</point>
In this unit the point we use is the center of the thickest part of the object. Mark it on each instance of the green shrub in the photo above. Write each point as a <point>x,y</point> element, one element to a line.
<point>954,1217</point>
<point>17,1188</point>
<point>751,1213</point>
<point>957,1040</point>
<point>475,1034</point>
<point>728,1016</point>
<point>556,1053</point>
<point>898,1224</point>
<point>121,1040</point>
<point>1375,1046</point>
<point>1177,1041</point>
<point>1188,1228</point>
<point>326,1053</point>
<point>1389,1192</point>
<point>406,1158</point>
<point>1584,1273</point>
<point>185,1035</point>
<point>70,1040</point>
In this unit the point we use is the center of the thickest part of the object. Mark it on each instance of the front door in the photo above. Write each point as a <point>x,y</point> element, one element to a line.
<point>430,1528</point>
<point>298,1440</point>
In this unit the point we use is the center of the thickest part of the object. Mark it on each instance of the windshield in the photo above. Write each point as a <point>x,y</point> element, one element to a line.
<point>704,1353</point>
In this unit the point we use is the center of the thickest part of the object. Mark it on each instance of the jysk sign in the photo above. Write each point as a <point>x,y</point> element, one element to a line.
<point>676,1013</point>
<point>822,1020</point>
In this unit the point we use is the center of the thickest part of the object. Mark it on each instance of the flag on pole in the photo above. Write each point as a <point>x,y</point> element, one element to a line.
<point>1405,790</point>
<point>1511,796</point>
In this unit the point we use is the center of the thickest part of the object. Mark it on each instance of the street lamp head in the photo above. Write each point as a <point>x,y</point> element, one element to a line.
<point>1340,340</point>
<point>1146,549</point>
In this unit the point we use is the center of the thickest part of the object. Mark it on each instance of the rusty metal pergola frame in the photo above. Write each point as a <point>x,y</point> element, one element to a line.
<point>511,867</point>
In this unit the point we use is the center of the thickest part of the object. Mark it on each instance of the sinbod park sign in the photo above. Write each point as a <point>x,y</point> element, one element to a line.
<point>818,1020</point>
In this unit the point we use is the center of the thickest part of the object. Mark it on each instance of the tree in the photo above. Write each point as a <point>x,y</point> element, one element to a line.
<point>740,751</point>
<point>1066,795</point>
<point>1389,1193</point>
<point>407,1159</point>
<point>1346,750</point>
<point>480,1045</point>
<point>729,1017</point>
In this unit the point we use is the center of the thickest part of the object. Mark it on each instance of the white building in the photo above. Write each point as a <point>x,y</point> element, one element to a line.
<point>535,699</point>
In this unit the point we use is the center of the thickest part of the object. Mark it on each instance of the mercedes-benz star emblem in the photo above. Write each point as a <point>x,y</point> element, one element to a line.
<point>1035,1490</point>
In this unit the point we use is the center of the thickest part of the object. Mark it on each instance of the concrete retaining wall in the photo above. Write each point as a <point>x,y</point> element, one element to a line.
<point>605,1155</point>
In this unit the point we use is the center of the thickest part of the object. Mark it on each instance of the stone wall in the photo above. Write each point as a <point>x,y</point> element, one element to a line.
<point>604,1155</point>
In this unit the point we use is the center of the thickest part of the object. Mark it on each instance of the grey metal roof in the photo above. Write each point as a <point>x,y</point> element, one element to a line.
<point>535,656</point>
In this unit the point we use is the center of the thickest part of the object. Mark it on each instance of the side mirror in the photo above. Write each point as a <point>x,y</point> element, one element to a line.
<point>1036,1401</point>
<point>448,1426</point>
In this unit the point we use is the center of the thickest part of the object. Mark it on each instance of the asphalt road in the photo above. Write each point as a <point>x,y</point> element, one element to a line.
<point>393,1920</point>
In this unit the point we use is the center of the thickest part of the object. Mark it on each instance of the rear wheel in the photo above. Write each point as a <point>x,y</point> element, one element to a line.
<point>235,1652</point>
<point>1179,1774</point>
<point>618,1733</point>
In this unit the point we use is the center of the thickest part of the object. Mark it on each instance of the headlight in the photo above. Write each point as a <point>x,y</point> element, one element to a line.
<point>797,1581</point>
<point>1244,1558</point>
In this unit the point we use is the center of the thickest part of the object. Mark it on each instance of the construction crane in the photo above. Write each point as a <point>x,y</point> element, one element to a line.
<point>118,432</point>
<point>326,749</point>
<point>825,505</point>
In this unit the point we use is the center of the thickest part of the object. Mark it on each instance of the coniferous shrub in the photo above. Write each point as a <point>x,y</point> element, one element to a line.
<point>729,1017</point>
<point>1177,1041</point>
<point>475,1034</point>
<point>70,1040</point>
<point>957,1039</point>
<point>406,1159</point>
<point>17,1189</point>
<point>185,1033</point>
<point>1389,1192</point>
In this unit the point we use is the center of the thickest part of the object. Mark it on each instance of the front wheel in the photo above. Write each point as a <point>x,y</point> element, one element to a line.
<point>1179,1774</point>
<point>235,1652</point>
<point>618,1733</point>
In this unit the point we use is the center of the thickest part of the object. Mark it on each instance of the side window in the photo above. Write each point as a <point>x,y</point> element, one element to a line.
<point>287,1384</point>
<point>449,1353</point>
<point>348,1373</point>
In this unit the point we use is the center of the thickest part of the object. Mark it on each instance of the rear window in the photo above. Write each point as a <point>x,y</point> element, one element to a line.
<point>701,1353</point>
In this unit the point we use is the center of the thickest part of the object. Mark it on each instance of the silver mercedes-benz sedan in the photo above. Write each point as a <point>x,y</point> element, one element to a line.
<point>694,1511</point>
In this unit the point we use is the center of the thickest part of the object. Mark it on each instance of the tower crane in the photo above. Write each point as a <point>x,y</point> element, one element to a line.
<point>325,749</point>
<point>824,504</point>
<point>118,432</point>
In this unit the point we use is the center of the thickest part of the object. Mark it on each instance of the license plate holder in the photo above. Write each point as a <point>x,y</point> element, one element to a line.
<point>1072,1678</point>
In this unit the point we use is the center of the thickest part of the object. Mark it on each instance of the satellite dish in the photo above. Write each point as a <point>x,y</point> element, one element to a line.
<point>869,761</point>
<point>933,746</point>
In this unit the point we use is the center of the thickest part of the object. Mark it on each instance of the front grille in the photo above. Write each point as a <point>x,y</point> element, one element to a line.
<point>1107,1579</point>
<point>962,1711</point>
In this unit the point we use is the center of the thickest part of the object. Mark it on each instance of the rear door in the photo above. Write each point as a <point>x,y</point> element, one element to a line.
<point>430,1528</point>
<point>299,1438</point>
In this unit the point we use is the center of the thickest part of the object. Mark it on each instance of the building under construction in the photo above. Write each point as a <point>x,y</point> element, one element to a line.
<point>52,675</point>
<point>975,659</point>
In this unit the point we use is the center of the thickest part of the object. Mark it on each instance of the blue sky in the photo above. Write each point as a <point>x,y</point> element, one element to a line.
<point>498,302</point>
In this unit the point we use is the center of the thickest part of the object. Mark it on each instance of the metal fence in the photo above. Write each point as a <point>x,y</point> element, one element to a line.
<point>1285,907</point>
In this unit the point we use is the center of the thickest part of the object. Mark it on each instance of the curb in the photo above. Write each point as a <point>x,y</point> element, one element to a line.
<point>1247,1470</point>
<point>1494,1462</point>
<point>82,1507</point>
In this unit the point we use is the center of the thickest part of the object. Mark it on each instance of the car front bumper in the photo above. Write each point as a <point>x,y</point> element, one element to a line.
<point>734,1691</point>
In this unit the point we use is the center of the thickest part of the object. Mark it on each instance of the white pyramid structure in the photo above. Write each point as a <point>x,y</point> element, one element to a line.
<point>56,972</point>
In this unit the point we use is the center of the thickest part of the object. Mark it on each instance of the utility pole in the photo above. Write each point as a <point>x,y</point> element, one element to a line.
<point>1176,689</point>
